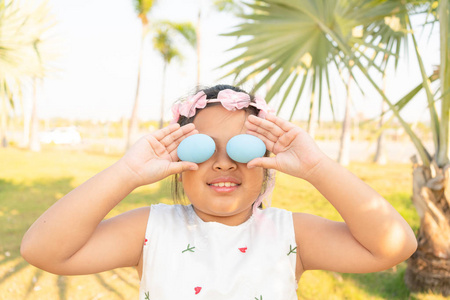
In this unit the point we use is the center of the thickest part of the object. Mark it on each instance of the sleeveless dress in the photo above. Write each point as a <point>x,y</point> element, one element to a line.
<point>187,258</point>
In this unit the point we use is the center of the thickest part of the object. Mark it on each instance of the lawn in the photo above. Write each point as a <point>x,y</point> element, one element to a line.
<point>31,182</point>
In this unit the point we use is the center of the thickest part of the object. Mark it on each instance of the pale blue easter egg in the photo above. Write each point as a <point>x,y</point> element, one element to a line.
<point>196,148</point>
<point>245,147</point>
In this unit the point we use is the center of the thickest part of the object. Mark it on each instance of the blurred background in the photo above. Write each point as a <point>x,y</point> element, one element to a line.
<point>80,81</point>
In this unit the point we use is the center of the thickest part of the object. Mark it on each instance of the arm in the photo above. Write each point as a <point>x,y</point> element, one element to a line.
<point>374,236</point>
<point>71,238</point>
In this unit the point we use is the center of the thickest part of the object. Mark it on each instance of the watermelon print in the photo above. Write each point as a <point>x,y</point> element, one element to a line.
<point>197,289</point>
<point>243,249</point>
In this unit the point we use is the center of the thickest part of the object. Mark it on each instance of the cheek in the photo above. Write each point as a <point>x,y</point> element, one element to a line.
<point>256,178</point>
<point>187,181</point>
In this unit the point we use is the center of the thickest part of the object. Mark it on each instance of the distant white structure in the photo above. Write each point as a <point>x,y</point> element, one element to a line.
<point>61,136</point>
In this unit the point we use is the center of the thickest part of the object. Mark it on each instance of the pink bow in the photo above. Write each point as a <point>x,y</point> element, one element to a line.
<point>188,108</point>
<point>264,109</point>
<point>229,99</point>
<point>232,100</point>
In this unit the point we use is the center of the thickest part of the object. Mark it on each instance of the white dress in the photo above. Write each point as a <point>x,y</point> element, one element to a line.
<point>187,258</point>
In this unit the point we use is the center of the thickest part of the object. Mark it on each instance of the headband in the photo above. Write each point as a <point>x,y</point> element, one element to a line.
<point>229,99</point>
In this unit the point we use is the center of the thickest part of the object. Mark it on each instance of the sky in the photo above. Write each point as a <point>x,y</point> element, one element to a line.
<point>99,43</point>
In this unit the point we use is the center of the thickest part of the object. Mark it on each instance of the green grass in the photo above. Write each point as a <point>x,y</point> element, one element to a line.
<point>31,182</point>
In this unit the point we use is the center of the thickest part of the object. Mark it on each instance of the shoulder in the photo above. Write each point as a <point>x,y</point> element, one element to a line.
<point>275,221</point>
<point>280,216</point>
<point>164,215</point>
<point>275,212</point>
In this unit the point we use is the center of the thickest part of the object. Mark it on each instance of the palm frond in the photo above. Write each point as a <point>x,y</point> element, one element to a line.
<point>307,37</point>
<point>25,44</point>
<point>165,34</point>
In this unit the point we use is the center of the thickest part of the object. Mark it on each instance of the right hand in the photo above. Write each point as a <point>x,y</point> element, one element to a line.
<point>154,156</point>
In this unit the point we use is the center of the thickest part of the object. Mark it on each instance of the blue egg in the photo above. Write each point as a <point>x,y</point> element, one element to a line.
<point>245,147</point>
<point>196,148</point>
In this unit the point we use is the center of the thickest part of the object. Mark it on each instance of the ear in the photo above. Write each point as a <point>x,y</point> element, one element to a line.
<point>180,177</point>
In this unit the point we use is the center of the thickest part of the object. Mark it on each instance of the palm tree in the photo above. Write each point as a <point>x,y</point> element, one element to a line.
<point>142,8</point>
<point>23,29</point>
<point>164,43</point>
<point>46,47</point>
<point>294,42</point>
<point>230,6</point>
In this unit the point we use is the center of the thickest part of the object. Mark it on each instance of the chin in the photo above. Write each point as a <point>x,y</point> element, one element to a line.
<point>229,208</point>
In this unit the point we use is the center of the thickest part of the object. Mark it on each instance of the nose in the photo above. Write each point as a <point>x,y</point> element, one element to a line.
<point>222,162</point>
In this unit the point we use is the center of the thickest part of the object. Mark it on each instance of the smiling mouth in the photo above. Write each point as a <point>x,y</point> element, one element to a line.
<point>223,184</point>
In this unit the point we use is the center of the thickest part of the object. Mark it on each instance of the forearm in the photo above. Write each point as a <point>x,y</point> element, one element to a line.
<point>66,226</point>
<point>372,221</point>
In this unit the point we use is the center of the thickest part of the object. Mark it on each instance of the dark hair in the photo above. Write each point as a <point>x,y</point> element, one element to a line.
<point>212,93</point>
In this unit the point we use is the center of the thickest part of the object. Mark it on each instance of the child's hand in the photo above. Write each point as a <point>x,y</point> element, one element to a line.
<point>295,151</point>
<point>154,156</point>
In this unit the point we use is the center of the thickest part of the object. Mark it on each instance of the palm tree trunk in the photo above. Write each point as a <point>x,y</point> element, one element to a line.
<point>133,124</point>
<point>34,123</point>
<point>344,149</point>
<point>429,267</point>
<point>161,120</point>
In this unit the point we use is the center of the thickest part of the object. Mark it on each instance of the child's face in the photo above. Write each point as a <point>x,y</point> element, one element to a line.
<point>230,205</point>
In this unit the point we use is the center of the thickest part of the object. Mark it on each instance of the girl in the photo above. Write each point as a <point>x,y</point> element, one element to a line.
<point>222,245</point>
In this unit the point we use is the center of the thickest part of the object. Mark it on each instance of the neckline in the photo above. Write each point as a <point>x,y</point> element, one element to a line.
<point>199,220</point>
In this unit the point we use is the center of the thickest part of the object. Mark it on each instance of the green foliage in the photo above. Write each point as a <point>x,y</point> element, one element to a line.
<point>142,8</point>
<point>291,36</point>
<point>164,40</point>
<point>291,44</point>
<point>23,52</point>
<point>232,6</point>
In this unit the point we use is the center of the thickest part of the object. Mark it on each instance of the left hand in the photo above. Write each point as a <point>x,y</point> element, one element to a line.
<point>295,151</point>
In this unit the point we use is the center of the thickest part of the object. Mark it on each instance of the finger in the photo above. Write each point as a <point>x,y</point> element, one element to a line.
<point>283,124</point>
<point>178,167</point>
<point>287,138</point>
<point>175,143</point>
<point>159,149</point>
<point>267,125</point>
<point>168,151</point>
<point>173,136</point>
<point>263,162</point>
<point>162,133</point>
<point>261,131</point>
